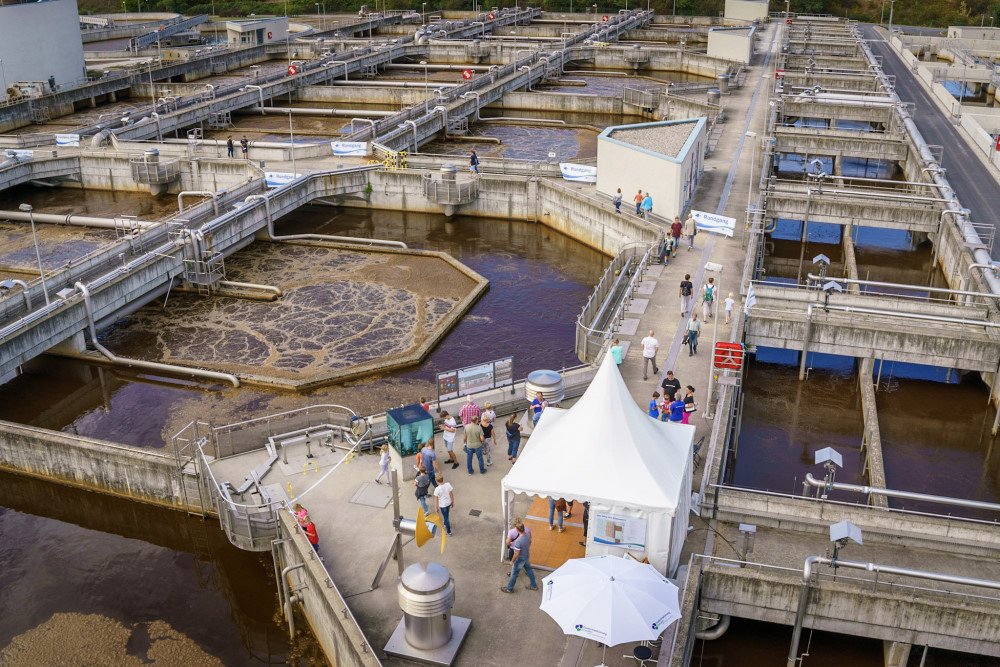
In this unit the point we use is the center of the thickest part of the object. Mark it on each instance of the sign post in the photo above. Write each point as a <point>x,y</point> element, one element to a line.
<point>466,74</point>
<point>292,69</point>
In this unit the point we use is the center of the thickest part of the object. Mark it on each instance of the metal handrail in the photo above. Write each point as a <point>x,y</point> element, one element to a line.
<point>283,415</point>
<point>844,503</point>
<point>840,578</point>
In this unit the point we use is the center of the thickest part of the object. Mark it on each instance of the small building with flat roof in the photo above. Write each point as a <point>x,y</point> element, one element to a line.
<point>732,43</point>
<point>663,158</point>
<point>746,10</point>
<point>257,31</point>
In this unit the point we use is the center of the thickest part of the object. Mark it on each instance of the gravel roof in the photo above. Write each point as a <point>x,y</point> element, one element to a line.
<point>663,139</point>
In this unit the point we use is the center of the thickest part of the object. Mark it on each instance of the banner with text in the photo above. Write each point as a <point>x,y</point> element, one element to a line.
<point>581,173</point>
<point>719,224</point>
<point>349,148</point>
<point>275,179</point>
<point>67,140</point>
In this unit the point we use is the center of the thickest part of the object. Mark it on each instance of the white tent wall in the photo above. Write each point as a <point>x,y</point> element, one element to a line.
<point>658,543</point>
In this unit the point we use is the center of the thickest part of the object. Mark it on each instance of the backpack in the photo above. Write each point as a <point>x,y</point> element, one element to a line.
<point>709,292</point>
<point>686,290</point>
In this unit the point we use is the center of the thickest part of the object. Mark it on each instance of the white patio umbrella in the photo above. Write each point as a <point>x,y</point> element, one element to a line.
<point>610,600</point>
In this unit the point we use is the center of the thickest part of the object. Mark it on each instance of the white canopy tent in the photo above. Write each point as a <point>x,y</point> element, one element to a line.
<point>634,470</point>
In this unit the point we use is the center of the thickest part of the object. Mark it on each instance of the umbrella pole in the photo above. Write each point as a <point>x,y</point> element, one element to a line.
<point>604,655</point>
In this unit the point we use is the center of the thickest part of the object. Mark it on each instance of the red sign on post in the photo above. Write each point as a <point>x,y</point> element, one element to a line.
<point>789,20</point>
<point>606,18</point>
<point>490,17</point>
<point>998,142</point>
<point>466,73</point>
<point>292,69</point>
<point>778,73</point>
<point>728,355</point>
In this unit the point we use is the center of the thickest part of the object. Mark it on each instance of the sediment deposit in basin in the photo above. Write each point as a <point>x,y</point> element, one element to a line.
<point>344,312</point>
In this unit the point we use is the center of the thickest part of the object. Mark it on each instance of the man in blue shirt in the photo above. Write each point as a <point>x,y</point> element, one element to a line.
<point>654,410</point>
<point>520,560</point>
<point>428,459</point>
<point>537,406</point>
<point>677,411</point>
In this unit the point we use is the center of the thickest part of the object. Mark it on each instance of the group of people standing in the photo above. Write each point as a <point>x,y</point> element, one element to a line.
<point>672,406</point>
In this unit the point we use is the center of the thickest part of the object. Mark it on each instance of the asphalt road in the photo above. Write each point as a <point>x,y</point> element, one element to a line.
<point>974,183</point>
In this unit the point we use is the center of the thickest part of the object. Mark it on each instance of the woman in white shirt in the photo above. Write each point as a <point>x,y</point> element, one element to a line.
<point>449,426</point>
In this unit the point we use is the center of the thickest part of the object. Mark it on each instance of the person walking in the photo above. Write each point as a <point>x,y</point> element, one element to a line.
<point>513,428</point>
<point>556,509</point>
<point>618,201</point>
<point>468,411</point>
<point>708,299</point>
<point>448,428</point>
<point>383,464</point>
<point>650,346</point>
<point>538,406</point>
<point>646,206</point>
<point>428,458</point>
<point>690,229</point>
<point>670,386</point>
<point>444,496</point>
<point>474,162</point>
<point>521,560</point>
<point>423,483</point>
<point>686,294</point>
<point>310,530</point>
<point>512,535</point>
<point>730,302</point>
<point>677,411</point>
<point>487,425</point>
<point>693,329</point>
<point>689,404</point>
<point>230,147</point>
<point>586,519</point>
<point>616,351</point>
<point>474,444</point>
<point>676,229</point>
<point>638,201</point>
<point>654,405</point>
<point>245,147</point>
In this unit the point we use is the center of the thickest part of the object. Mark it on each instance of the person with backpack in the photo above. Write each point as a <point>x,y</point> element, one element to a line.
<point>618,201</point>
<point>708,299</point>
<point>245,147</point>
<point>690,229</point>
<point>686,294</point>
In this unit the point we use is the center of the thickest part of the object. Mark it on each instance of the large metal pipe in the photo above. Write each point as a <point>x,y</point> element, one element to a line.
<point>889,493</point>
<point>264,288</point>
<point>77,220</point>
<point>312,111</point>
<point>393,84</point>
<point>807,569</point>
<point>317,237</point>
<point>716,631</point>
<point>203,193</point>
<point>450,68</point>
<point>145,365</point>
<point>289,599</point>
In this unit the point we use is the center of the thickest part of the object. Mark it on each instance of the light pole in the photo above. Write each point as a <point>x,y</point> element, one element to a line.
<point>424,63</point>
<point>892,5</point>
<point>881,17</point>
<point>291,133</point>
<point>38,255</point>
<point>753,154</point>
<point>317,16</point>
<point>423,13</point>
<point>717,269</point>
<point>4,74</point>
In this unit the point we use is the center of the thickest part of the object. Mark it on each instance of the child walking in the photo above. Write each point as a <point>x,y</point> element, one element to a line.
<point>383,464</point>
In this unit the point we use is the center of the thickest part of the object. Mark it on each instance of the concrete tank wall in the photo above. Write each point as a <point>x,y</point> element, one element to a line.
<point>145,475</point>
<point>39,40</point>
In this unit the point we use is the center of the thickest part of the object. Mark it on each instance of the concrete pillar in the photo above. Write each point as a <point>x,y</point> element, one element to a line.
<point>112,97</point>
<point>93,102</point>
<point>896,653</point>
<point>872,436</point>
<point>75,344</point>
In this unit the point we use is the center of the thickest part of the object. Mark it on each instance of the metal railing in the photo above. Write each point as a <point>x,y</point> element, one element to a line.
<point>154,173</point>
<point>609,301</point>
<point>451,192</point>
<point>245,436</point>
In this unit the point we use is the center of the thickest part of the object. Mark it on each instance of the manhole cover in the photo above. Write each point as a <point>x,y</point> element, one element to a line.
<point>372,495</point>
<point>475,512</point>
